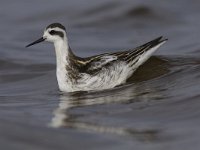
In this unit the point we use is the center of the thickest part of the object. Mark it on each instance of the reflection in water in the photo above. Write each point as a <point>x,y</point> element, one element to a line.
<point>64,118</point>
<point>130,93</point>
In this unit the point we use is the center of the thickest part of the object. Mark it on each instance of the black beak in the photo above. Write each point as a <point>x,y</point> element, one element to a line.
<point>37,41</point>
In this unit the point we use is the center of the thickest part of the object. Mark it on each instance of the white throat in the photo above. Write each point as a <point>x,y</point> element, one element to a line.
<point>62,53</point>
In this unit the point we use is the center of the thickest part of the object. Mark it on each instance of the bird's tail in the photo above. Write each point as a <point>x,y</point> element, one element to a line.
<point>142,53</point>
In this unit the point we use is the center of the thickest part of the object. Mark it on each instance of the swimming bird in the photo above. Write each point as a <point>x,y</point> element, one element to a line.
<point>98,72</point>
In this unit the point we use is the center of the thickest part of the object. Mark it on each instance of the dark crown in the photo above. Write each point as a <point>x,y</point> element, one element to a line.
<point>54,25</point>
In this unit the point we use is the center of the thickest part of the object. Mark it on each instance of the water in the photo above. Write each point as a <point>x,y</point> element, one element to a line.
<point>157,109</point>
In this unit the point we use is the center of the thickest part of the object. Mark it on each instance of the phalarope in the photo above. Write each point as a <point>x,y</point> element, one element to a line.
<point>98,72</point>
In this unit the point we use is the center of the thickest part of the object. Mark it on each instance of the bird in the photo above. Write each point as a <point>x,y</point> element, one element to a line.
<point>94,73</point>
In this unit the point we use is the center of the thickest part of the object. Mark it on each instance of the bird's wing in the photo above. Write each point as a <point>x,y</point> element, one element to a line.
<point>95,63</point>
<point>102,61</point>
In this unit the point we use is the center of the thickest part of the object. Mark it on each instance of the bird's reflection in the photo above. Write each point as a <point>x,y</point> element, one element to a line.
<point>63,117</point>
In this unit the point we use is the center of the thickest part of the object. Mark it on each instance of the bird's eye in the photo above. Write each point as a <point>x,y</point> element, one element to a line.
<point>52,32</point>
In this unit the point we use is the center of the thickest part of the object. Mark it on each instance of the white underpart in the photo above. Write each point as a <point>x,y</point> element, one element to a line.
<point>107,78</point>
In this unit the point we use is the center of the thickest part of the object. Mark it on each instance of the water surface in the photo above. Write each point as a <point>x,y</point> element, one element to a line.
<point>158,108</point>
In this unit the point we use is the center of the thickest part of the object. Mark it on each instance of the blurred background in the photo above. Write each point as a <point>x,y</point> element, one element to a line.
<point>158,108</point>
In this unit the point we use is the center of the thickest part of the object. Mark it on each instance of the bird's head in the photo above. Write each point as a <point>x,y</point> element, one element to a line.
<point>52,33</point>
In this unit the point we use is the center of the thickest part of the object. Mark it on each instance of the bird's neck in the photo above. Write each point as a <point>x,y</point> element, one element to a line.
<point>63,52</point>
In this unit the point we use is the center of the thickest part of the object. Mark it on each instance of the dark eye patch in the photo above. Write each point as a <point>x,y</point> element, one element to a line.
<point>52,32</point>
<point>59,33</point>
